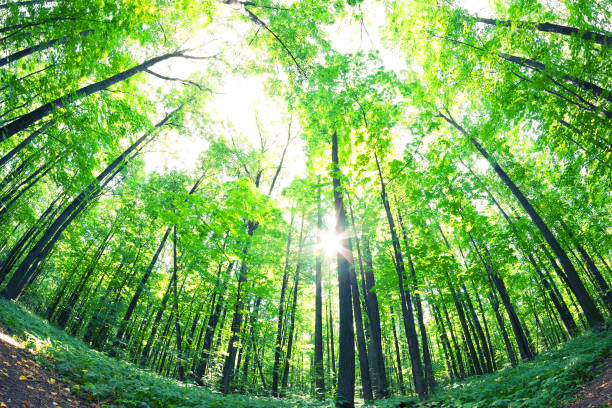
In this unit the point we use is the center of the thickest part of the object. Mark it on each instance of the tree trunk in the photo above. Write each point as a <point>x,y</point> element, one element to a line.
<point>451,366</point>
<point>281,313</point>
<point>8,156</point>
<point>290,335</point>
<point>479,330</point>
<point>319,374</point>
<point>364,366</point>
<point>160,312</point>
<point>41,249</point>
<point>250,345</point>
<point>296,282</point>
<point>24,121</point>
<point>429,374</point>
<point>142,284</point>
<point>486,327</point>
<point>517,328</point>
<point>70,304</point>
<point>345,390</point>
<point>382,384</point>
<point>406,303</point>
<point>601,284</point>
<point>37,48</point>
<point>462,374</point>
<point>587,304</point>
<point>22,244</point>
<point>177,324</point>
<point>400,374</point>
<point>599,38</point>
<point>228,365</point>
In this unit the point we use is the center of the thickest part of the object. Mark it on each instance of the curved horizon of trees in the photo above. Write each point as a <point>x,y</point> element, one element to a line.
<point>468,194</point>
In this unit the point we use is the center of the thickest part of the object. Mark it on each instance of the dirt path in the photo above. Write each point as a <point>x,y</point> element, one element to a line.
<point>24,383</point>
<point>598,392</point>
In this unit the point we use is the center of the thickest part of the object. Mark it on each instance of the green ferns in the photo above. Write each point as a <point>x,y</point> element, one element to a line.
<point>549,380</point>
<point>102,378</point>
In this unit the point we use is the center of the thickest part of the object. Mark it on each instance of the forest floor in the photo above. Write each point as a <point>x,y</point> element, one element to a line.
<point>597,393</point>
<point>25,383</point>
<point>41,366</point>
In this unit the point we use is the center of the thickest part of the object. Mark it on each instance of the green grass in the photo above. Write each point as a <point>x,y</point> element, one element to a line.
<point>549,380</point>
<point>99,377</point>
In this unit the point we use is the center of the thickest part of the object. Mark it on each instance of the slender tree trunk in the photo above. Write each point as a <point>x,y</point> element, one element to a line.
<point>296,281</point>
<point>26,239</point>
<point>462,374</point>
<point>400,374</point>
<point>364,366</point>
<point>382,384</point>
<point>41,249</point>
<point>451,366</point>
<point>67,281</point>
<point>599,38</point>
<point>429,374</point>
<point>364,361</point>
<point>517,327</point>
<point>250,344</point>
<point>478,329</point>
<point>70,304</point>
<point>345,390</point>
<point>8,156</point>
<point>160,312</point>
<point>587,304</point>
<point>26,120</point>
<point>177,324</point>
<point>601,284</point>
<point>228,365</point>
<point>406,303</point>
<point>290,336</point>
<point>319,374</point>
<point>142,284</point>
<point>486,327</point>
<point>548,73</point>
<point>211,326</point>
<point>37,48</point>
<point>281,313</point>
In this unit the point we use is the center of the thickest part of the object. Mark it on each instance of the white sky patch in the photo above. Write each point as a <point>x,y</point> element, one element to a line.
<point>241,98</point>
<point>174,151</point>
<point>348,36</point>
<point>481,8</point>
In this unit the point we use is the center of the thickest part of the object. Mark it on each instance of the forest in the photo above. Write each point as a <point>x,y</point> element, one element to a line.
<point>275,203</point>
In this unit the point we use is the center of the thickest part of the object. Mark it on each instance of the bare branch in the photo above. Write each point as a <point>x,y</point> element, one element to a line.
<point>257,20</point>
<point>184,81</point>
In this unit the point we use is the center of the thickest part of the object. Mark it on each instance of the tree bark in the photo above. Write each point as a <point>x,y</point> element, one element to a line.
<point>345,390</point>
<point>41,249</point>
<point>26,120</point>
<point>37,48</point>
<point>142,284</point>
<point>211,326</point>
<point>228,365</point>
<point>382,384</point>
<point>319,374</point>
<point>364,366</point>
<point>429,374</point>
<point>158,316</point>
<point>400,374</point>
<point>177,324</point>
<point>281,313</point>
<point>406,303</point>
<point>599,38</point>
<point>587,304</point>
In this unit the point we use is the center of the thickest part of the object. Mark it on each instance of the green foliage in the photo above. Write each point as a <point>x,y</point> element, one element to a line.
<point>111,382</point>
<point>549,381</point>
